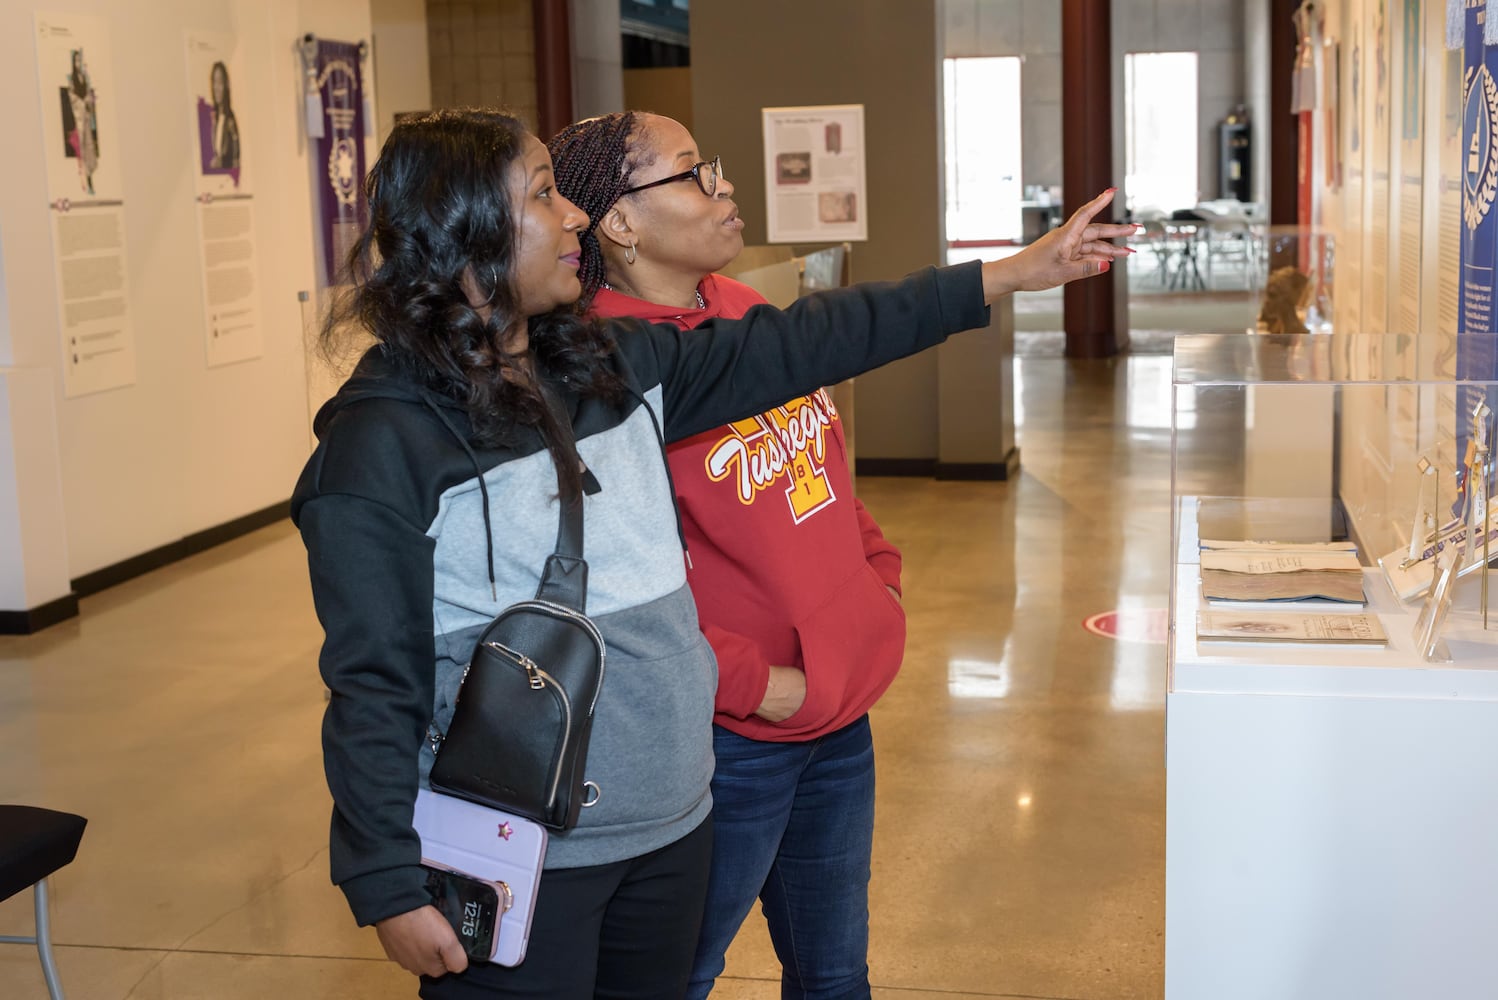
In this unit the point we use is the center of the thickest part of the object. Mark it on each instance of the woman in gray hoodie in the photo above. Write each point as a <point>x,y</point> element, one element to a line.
<point>431,503</point>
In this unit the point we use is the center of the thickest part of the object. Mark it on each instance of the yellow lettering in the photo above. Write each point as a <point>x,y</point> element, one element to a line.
<point>809,488</point>
<point>789,441</point>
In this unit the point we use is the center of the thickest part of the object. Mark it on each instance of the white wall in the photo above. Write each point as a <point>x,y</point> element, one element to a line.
<point>33,535</point>
<point>1032,29</point>
<point>1212,28</point>
<point>403,71</point>
<point>186,447</point>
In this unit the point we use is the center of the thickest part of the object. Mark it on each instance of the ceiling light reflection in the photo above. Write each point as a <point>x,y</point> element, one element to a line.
<point>1148,396</point>
<point>1138,682</point>
<point>967,678</point>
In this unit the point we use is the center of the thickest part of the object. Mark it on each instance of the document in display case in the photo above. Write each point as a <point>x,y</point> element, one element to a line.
<point>1289,626</point>
<point>1322,468</point>
<point>1331,770</point>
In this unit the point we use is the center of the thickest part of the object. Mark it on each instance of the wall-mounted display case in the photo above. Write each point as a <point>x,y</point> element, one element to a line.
<point>1332,700</point>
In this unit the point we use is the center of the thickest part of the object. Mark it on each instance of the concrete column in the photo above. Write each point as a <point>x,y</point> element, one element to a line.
<point>597,59</point>
<point>975,401</point>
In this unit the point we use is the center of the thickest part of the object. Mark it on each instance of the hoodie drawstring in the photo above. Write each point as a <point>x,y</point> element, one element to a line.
<point>478,469</point>
<point>483,490</point>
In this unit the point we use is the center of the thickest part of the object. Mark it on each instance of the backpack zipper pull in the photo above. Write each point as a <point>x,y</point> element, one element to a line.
<point>532,671</point>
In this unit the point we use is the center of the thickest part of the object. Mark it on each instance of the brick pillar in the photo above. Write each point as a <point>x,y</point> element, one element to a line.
<point>1092,312</point>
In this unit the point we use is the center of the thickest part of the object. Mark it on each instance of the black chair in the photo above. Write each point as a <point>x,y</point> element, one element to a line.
<point>34,843</point>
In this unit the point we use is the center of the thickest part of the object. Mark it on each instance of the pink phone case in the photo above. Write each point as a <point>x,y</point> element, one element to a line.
<point>488,844</point>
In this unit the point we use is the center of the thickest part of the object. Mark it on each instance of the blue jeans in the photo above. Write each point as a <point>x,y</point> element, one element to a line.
<point>793,824</point>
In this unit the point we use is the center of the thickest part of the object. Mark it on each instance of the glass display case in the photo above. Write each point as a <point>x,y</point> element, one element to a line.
<point>1332,695</point>
<point>1282,277</point>
<point>1295,274</point>
<point>1311,444</point>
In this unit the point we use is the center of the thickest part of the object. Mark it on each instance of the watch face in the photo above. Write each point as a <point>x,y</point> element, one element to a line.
<point>470,905</point>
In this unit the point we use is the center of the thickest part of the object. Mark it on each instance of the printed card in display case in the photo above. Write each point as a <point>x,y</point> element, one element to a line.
<point>1290,627</point>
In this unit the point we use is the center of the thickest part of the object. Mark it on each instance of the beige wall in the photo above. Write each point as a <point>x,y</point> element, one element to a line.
<point>666,91</point>
<point>883,56</point>
<point>401,63</point>
<point>90,481</point>
<point>483,53</point>
<point>1396,221</point>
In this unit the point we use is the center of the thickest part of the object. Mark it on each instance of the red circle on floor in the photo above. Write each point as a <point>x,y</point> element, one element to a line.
<point>1131,624</point>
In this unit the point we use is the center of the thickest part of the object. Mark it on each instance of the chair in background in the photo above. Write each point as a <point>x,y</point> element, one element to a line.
<point>1152,238</point>
<point>1186,236</point>
<point>1230,238</point>
<point>34,843</point>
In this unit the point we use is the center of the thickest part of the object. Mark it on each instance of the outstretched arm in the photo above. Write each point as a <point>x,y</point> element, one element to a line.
<point>1077,249</point>
<point>726,369</point>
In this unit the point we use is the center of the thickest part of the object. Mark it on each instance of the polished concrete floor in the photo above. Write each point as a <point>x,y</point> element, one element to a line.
<point>1020,841</point>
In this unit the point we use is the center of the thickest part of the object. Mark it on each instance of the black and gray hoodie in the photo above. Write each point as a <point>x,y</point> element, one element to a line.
<point>389,506</point>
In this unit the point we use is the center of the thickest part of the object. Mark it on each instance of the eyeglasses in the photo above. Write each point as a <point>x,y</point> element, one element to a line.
<point>706,174</point>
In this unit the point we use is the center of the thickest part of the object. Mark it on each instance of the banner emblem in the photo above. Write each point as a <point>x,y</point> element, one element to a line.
<point>1480,124</point>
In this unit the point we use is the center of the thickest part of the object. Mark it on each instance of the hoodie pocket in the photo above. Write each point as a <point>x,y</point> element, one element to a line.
<point>851,648</point>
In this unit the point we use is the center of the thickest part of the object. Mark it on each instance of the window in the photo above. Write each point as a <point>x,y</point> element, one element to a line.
<point>983,149</point>
<point>1160,108</point>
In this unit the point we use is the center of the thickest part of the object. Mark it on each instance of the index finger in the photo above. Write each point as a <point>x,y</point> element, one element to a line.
<point>1104,198</point>
<point>1084,215</point>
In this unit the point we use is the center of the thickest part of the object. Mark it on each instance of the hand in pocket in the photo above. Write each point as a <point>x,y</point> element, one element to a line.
<point>784,694</point>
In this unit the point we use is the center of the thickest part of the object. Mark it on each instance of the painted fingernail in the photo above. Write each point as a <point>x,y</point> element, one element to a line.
<point>1104,266</point>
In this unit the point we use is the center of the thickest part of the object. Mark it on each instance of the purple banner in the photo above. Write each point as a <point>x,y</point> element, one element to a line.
<point>339,153</point>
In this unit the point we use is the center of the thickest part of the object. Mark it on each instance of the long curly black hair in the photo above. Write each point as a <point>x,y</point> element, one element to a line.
<point>439,214</point>
<point>595,162</point>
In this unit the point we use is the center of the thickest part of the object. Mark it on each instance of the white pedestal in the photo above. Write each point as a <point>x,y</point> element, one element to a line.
<point>1331,814</point>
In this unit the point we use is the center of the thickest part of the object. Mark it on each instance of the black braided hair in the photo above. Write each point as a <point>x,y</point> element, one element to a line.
<point>595,161</point>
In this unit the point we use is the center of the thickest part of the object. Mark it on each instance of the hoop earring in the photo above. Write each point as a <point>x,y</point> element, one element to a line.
<point>493,285</point>
<point>629,255</point>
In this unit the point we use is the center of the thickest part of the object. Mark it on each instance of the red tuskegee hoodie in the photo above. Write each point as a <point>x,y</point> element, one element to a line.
<point>786,566</point>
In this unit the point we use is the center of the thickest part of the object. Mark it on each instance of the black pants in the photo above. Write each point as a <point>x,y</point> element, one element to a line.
<point>625,931</point>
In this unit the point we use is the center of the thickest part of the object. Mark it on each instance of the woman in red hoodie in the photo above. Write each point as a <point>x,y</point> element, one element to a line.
<point>797,590</point>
